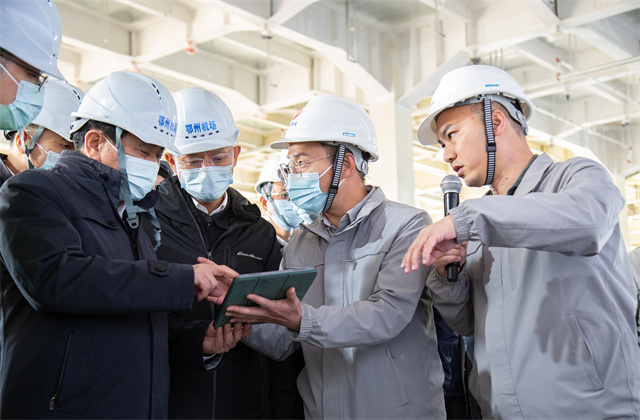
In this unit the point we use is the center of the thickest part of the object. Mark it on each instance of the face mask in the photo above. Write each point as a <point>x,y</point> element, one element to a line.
<point>305,192</point>
<point>52,158</point>
<point>141,173</point>
<point>24,109</point>
<point>284,214</point>
<point>142,176</point>
<point>207,183</point>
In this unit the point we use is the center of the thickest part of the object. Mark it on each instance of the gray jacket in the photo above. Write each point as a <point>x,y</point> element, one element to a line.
<point>547,291</point>
<point>367,330</point>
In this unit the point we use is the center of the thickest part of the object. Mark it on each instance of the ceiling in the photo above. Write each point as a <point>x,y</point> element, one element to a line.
<point>579,61</point>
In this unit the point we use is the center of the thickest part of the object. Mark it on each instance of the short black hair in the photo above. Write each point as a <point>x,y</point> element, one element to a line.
<point>109,131</point>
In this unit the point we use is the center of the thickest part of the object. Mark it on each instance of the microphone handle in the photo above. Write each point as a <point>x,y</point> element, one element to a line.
<point>450,202</point>
<point>452,272</point>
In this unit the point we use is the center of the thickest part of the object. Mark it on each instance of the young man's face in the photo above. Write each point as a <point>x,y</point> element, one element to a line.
<point>51,142</point>
<point>462,133</point>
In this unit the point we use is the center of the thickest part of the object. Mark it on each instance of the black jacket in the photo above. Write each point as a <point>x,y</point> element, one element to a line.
<point>238,388</point>
<point>84,324</point>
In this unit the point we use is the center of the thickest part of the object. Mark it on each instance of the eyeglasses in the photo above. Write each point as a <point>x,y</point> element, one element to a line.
<point>294,169</point>
<point>223,159</point>
<point>38,77</point>
<point>282,195</point>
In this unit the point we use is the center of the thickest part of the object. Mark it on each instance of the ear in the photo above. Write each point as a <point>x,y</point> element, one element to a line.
<point>92,144</point>
<point>263,203</point>
<point>500,121</point>
<point>349,166</point>
<point>236,153</point>
<point>19,144</point>
<point>168,156</point>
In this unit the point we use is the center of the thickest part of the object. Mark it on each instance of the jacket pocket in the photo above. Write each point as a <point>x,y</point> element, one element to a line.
<point>395,372</point>
<point>73,370</point>
<point>584,353</point>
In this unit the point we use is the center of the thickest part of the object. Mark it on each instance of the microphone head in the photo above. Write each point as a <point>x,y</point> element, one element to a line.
<point>451,184</point>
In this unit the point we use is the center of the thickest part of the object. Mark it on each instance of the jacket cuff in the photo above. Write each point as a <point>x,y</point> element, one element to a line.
<point>305,326</point>
<point>187,284</point>
<point>462,224</point>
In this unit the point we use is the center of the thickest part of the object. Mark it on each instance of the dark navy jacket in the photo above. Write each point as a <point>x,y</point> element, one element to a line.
<point>239,387</point>
<point>84,324</point>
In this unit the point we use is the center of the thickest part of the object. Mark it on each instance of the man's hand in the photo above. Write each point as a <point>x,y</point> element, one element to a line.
<point>457,254</point>
<point>287,312</point>
<point>432,241</point>
<point>211,280</point>
<point>225,338</point>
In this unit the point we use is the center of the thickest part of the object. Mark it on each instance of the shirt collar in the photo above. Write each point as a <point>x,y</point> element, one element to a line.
<point>218,210</point>
<point>513,189</point>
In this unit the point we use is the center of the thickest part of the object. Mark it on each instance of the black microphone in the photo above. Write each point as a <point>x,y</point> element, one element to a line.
<point>451,186</point>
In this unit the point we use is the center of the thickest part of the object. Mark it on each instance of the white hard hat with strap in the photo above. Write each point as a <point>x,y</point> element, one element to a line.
<point>338,121</point>
<point>60,100</point>
<point>477,84</point>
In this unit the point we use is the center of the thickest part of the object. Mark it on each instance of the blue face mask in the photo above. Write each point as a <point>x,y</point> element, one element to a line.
<point>207,183</point>
<point>24,109</point>
<point>52,158</point>
<point>142,176</point>
<point>141,173</point>
<point>305,193</point>
<point>284,214</point>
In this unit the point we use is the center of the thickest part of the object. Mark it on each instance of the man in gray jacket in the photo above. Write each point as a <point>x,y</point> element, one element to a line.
<point>366,330</point>
<point>545,285</point>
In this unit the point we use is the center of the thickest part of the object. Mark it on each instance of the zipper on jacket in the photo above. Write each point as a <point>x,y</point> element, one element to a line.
<point>52,401</point>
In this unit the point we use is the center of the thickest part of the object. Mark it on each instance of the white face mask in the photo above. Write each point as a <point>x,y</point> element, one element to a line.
<point>142,175</point>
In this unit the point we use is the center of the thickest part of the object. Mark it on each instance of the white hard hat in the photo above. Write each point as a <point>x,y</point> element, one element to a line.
<point>60,100</point>
<point>204,121</point>
<point>269,172</point>
<point>31,30</point>
<point>134,102</point>
<point>476,81</point>
<point>332,119</point>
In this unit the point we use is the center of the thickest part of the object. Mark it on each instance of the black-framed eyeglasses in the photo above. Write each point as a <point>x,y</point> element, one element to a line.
<point>222,159</point>
<point>38,76</point>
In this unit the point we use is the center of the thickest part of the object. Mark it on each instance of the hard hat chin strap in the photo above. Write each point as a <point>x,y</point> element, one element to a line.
<point>125,194</point>
<point>491,141</point>
<point>335,181</point>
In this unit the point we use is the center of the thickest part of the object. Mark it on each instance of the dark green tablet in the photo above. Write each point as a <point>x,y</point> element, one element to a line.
<point>269,284</point>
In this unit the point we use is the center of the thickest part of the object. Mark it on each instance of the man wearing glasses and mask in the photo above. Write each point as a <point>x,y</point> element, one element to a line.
<point>366,330</point>
<point>274,199</point>
<point>30,38</point>
<point>200,215</point>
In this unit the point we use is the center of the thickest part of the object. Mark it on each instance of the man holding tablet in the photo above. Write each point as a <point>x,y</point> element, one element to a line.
<point>366,331</point>
<point>201,215</point>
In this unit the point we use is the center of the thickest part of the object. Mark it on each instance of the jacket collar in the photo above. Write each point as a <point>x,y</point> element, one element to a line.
<point>82,167</point>
<point>93,175</point>
<point>352,218</point>
<point>534,175</point>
